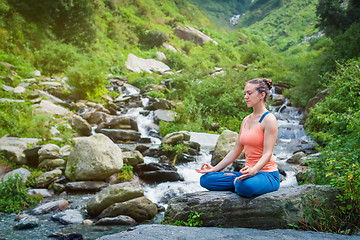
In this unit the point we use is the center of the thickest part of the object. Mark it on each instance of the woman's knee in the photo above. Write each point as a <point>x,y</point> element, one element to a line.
<point>243,188</point>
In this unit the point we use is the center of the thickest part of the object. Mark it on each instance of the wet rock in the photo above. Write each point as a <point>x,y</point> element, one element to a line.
<point>160,104</point>
<point>27,223</point>
<point>119,220</point>
<point>93,158</point>
<point>157,172</point>
<point>268,211</point>
<point>120,135</point>
<point>85,186</point>
<point>21,216</point>
<point>184,158</point>
<point>96,117</point>
<point>53,206</point>
<point>224,145</point>
<point>122,123</point>
<point>45,179</point>
<point>67,236</point>
<point>113,194</point>
<point>278,100</point>
<point>88,222</point>
<point>69,216</point>
<point>140,209</point>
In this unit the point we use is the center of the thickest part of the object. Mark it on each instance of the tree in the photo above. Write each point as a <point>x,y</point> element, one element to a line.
<point>340,21</point>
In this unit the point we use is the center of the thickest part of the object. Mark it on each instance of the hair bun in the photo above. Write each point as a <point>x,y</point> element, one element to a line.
<point>268,82</point>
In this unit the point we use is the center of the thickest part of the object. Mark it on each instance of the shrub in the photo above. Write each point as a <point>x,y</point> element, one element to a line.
<point>14,196</point>
<point>334,123</point>
<point>87,79</point>
<point>153,38</point>
<point>126,173</point>
<point>194,220</point>
<point>54,57</point>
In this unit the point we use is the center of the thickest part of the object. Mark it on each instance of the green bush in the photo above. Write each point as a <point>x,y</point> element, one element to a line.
<point>335,124</point>
<point>17,119</point>
<point>54,57</point>
<point>153,38</point>
<point>14,196</point>
<point>194,220</point>
<point>87,79</point>
<point>126,173</point>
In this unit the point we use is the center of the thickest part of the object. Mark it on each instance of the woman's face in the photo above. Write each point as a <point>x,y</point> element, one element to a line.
<point>252,96</point>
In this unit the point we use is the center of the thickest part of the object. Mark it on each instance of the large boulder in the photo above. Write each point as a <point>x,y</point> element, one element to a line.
<point>81,125</point>
<point>269,211</point>
<point>113,194</point>
<point>191,34</point>
<point>140,209</point>
<point>93,158</point>
<point>164,115</point>
<point>47,107</point>
<point>224,145</point>
<point>138,65</point>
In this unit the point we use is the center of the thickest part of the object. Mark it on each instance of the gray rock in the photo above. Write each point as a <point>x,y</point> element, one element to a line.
<point>120,135</point>
<point>295,159</point>
<point>140,209</point>
<point>191,34</point>
<point>22,172</point>
<point>119,220</point>
<point>42,191</point>
<point>113,194</point>
<point>45,179</point>
<point>96,117</point>
<point>51,164</point>
<point>13,148</point>
<point>164,115</point>
<point>27,223</point>
<point>93,158</point>
<point>69,216</point>
<point>224,145</point>
<point>133,158</point>
<point>138,65</point>
<point>47,107</point>
<point>81,125</point>
<point>269,211</point>
<point>49,151</point>
<point>165,232</point>
<point>85,186</point>
<point>53,206</point>
<point>176,137</point>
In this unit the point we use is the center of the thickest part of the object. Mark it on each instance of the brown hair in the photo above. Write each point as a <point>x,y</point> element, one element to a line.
<point>264,85</point>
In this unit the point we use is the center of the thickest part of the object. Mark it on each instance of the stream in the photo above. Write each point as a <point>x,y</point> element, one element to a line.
<point>291,138</point>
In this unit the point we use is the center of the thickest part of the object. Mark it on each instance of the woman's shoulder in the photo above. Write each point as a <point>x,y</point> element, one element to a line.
<point>269,120</point>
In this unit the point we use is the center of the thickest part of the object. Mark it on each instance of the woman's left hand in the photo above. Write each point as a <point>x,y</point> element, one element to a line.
<point>246,172</point>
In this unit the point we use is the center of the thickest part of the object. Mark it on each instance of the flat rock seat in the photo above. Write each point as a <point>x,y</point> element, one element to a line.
<point>269,211</point>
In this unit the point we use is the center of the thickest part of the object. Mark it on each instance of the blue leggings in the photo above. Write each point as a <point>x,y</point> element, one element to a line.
<point>260,183</point>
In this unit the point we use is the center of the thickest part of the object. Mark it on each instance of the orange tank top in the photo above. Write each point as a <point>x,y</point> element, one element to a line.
<point>253,142</point>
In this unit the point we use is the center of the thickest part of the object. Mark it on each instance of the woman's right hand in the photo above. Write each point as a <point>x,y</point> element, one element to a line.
<point>205,168</point>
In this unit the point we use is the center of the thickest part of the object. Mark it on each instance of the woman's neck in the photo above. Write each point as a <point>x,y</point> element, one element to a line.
<point>259,109</point>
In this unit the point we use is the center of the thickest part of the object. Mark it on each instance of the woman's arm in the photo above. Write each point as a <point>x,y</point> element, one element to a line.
<point>270,129</point>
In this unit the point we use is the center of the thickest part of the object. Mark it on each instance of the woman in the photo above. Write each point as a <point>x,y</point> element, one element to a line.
<point>257,138</point>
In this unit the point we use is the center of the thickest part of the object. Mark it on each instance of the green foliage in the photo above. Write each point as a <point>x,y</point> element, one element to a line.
<point>14,196</point>
<point>87,79</point>
<point>194,220</point>
<point>54,57</point>
<point>17,119</point>
<point>153,38</point>
<point>334,123</point>
<point>340,21</point>
<point>126,173</point>
<point>156,94</point>
<point>140,82</point>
